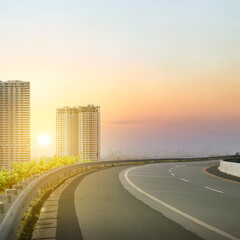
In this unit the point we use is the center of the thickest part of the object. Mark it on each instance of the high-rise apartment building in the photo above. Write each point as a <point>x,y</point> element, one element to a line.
<point>78,132</point>
<point>67,138</point>
<point>89,131</point>
<point>14,122</point>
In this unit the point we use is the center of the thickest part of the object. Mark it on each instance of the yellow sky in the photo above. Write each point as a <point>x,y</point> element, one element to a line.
<point>166,76</point>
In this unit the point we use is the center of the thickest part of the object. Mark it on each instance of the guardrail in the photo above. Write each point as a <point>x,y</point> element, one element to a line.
<point>230,166</point>
<point>14,202</point>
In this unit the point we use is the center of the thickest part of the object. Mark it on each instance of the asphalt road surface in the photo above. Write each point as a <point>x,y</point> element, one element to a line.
<point>159,201</point>
<point>207,206</point>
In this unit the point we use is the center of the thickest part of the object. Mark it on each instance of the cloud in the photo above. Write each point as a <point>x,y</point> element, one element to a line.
<point>128,123</point>
<point>151,123</point>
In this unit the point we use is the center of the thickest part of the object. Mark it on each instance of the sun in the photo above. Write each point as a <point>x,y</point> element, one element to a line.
<point>44,139</point>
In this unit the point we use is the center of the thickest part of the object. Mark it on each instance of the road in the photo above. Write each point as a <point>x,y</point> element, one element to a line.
<point>159,201</point>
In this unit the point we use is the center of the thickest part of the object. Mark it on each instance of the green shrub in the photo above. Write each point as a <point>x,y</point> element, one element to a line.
<point>22,170</point>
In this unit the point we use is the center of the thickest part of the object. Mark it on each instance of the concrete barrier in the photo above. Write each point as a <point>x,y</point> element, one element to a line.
<point>231,168</point>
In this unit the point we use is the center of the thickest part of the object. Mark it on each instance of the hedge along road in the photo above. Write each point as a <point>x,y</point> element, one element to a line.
<point>97,206</point>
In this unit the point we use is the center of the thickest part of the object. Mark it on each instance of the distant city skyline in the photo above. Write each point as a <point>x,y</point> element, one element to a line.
<point>165,73</point>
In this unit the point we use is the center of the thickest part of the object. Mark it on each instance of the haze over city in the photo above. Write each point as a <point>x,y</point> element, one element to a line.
<point>166,74</point>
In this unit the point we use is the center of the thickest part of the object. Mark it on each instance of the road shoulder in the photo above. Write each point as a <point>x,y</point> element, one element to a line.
<point>46,226</point>
<point>217,173</point>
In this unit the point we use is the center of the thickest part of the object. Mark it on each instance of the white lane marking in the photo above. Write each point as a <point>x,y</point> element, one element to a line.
<point>213,189</point>
<point>172,174</point>
<point>170,170</point>
<point>227,235</point>
<point>184,180</point>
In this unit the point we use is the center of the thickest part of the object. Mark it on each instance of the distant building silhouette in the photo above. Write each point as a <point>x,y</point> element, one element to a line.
<point>67,138</point>
<point>14,122</point>
<point>78,132</point>
<point>89,131</point>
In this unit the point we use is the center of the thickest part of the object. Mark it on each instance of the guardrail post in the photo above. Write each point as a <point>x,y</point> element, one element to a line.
<point>1,207</point>
<point>11,191</point>
<point>23,184</point>
<point>18,187</point>
<point>6,198</point>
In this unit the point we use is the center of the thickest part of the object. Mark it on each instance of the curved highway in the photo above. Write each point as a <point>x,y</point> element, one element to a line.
<point>183,192</point>
<point>158,201</point>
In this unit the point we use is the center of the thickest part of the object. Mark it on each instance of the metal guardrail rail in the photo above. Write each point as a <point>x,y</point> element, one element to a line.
<point>235,160</point>
<point>16,200</point>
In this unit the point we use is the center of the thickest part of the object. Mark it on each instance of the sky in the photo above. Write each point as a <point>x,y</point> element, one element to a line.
<point>165,73</point>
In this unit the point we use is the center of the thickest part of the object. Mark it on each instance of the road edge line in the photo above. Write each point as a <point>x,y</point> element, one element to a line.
<point>205,170</point>
<point>203,224</point>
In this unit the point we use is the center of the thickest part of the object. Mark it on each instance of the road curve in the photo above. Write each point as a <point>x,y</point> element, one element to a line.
<point>105,210</point>
<point>157,201</point>
<point>203,204</point>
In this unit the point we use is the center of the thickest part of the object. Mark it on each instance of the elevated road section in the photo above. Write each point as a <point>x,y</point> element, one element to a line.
<point>175,200</point>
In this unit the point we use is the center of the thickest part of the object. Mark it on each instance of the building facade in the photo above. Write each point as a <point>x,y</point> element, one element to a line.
<point>14,122</point>
<point>67,132</point>
<point>89,132</point>
<point>78,132</point>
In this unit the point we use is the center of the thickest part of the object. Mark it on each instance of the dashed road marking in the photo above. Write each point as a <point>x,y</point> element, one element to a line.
<point>184,180</point>
<point>215,190</point>
<point>172,174</point>
<point>203,224</point>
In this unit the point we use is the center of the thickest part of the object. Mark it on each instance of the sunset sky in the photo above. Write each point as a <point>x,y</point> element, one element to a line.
<point>165,73</point>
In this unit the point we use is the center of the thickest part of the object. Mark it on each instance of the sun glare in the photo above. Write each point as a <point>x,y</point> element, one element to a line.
<point>44,140</point>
